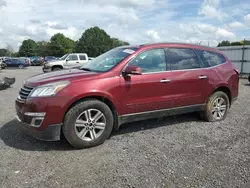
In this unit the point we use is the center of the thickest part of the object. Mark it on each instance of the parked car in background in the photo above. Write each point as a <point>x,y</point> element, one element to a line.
<point>68,61</point>
<point>2,64</point>
<point>17,62</point>
<point>49,58</point>
<point>27,59</point>
<point>36,60</point>
<point>127,84</point>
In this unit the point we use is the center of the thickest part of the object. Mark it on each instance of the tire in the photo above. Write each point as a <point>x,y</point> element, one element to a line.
<point>56,69</point>
<point>249,78</point>
<point>209,112</point>
<point>20,66</point>
<point>71,133</point>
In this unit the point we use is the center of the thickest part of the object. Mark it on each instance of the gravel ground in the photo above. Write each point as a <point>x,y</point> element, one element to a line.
<point>179,151</point>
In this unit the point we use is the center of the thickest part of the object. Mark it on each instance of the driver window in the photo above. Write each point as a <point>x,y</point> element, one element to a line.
<point>72,58</point>
<point>150,61</point>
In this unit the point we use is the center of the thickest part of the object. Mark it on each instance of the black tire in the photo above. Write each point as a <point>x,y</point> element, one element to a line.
<point>20,66</point>
<point>72,115</point>
<point>56,69</point>
<point>249,78</point>
<point>207,114</point>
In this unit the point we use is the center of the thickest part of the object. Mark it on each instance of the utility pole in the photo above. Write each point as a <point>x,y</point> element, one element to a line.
<point>243,54</point>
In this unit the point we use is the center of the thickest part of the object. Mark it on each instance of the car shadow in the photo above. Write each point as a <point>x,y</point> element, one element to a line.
<point>12,136</point>
<point>156,123</point>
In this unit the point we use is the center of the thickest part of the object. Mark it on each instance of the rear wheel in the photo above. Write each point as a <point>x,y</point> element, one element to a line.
<point>88,124</point>
<point>21,66</point>
<point>249,78</point>
<point>217,107</point>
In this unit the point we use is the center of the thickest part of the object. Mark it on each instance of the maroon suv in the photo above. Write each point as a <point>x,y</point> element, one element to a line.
<point>126,84</point>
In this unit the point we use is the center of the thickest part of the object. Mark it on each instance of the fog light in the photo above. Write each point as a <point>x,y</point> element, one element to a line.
<point>35,114</point>
<point>36,118</point>
<point>36,121</point>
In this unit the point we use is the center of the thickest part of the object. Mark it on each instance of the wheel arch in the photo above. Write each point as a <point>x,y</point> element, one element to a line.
<point>101,98</point>
<point>226,90</point>
<point>57,66</point>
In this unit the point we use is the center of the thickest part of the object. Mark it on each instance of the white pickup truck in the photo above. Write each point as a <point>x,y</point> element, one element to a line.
<point>68,61</point>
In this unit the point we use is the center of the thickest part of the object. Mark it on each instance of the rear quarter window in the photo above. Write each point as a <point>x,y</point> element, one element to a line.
<point>210,59</point>
<point>82,57</point>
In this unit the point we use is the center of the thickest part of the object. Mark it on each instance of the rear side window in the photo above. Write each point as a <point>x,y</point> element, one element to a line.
<point>210,59</point>
<point>182,58</point>
<point>82,57</point>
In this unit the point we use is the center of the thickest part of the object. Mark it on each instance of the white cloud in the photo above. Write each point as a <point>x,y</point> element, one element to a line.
<point>206,28</point>
<point>236,25</point>
<point>224,34</point>
<point>210,8</point>
<point>135,21</point>
<point>153,35</point>
<point>247,19</point>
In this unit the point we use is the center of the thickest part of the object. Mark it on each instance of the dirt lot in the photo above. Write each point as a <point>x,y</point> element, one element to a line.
<point>179,151</point>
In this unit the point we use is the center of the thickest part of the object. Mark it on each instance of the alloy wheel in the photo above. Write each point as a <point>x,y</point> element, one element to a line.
<point>219,108</point>
<point>90,124</point>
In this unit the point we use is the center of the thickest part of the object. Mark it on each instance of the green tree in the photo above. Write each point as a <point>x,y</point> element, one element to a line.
<point>42,48</point>
<point>116,42</point>
<point>60,45</point>
<point>224,43</point>
<point>4,52</point>
<point>94,41</point>
<point>236,43</point>
<point>28,48</point>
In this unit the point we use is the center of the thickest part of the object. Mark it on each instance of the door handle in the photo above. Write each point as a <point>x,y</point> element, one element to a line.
<point>203,77</point>
<point>165,80</point>
<point>77,62</point>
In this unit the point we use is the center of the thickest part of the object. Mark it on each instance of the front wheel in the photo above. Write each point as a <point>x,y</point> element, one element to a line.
<point>56,69</point>
<point>217,107</point>
<point>88,124</point>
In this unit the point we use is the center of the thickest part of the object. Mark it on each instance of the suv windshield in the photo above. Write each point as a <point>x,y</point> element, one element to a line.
<point>109,59</point>
<point>64,57</point>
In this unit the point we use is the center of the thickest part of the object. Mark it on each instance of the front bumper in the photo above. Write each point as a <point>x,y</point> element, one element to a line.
<point>46,69</point>
<point>42,117</point>
<point>51,133</point>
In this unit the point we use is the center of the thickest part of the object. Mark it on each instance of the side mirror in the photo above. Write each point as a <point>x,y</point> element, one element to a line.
<point>132,69</point>
<point>67,60</point>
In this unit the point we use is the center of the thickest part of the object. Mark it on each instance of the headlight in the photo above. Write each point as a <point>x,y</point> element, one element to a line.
<point>50,89</point>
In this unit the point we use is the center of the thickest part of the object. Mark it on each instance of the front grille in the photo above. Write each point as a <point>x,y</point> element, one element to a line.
<point>24,92</point>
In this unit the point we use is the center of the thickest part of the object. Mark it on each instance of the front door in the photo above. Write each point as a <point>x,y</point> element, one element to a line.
<point>149,91</point>
<point>72,61</point>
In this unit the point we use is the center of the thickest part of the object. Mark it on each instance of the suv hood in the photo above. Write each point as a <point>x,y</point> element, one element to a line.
<point>70,74</point>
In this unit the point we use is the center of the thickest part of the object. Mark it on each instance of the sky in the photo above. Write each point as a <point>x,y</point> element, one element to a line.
<point>134,21</point>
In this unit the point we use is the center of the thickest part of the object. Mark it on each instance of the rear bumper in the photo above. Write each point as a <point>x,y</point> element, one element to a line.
<point>51,133</point>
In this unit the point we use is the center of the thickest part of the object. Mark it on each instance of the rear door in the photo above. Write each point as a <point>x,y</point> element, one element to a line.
<point>188,76</point>
<point>72,61</point>
<point>83,59</point>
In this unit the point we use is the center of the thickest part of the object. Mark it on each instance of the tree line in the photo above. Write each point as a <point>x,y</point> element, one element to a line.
<point>94,41</point>
<point>237,43</point>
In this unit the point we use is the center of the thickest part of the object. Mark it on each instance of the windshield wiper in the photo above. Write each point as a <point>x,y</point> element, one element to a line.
<point>85,69</point>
